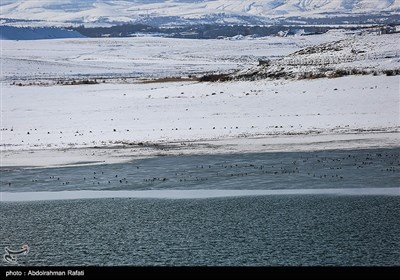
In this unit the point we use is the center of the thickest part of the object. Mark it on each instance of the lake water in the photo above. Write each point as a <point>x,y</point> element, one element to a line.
<point>282,170</point>
<point>243,230</point>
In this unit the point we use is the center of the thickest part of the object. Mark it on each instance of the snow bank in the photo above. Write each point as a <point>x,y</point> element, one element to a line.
<point>188,194</point>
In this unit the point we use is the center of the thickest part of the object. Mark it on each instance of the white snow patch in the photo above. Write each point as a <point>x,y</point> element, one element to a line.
<point>188,194</point>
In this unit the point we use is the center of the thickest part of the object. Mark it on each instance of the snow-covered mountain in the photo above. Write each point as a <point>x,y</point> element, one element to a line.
<point>167,11</point>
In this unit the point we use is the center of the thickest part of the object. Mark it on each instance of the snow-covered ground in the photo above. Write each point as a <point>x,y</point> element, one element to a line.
<point>117,120</point>
<point>189,194</point>
<point>352,54</point>
<point>142,56</point>
<point>104,115</point>
<point>123,59</point>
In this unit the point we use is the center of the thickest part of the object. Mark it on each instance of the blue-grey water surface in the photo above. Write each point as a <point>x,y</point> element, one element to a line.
<point>285,170</point>
<point>265,230</point>
<point>262,230</point>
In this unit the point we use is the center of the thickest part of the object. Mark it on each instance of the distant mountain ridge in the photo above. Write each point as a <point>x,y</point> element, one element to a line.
<point>97,12</point>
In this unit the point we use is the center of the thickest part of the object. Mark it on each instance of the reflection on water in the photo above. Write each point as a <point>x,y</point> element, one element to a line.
<point>270,230</point>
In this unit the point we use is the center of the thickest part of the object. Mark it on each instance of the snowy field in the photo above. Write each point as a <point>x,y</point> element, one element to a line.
<point>120,120</point>
<point>135,115</point>
<point>142,56</point>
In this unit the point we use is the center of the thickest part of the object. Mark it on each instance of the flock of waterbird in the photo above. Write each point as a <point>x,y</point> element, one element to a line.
<point>312,167</point>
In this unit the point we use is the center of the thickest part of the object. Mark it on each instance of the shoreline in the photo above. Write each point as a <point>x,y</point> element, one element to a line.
<point>190,194</point>
<point>112,154</point>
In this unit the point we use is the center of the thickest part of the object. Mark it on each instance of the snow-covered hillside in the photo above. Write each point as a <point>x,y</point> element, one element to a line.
<point>170,11</point>
<point>352,55</point>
